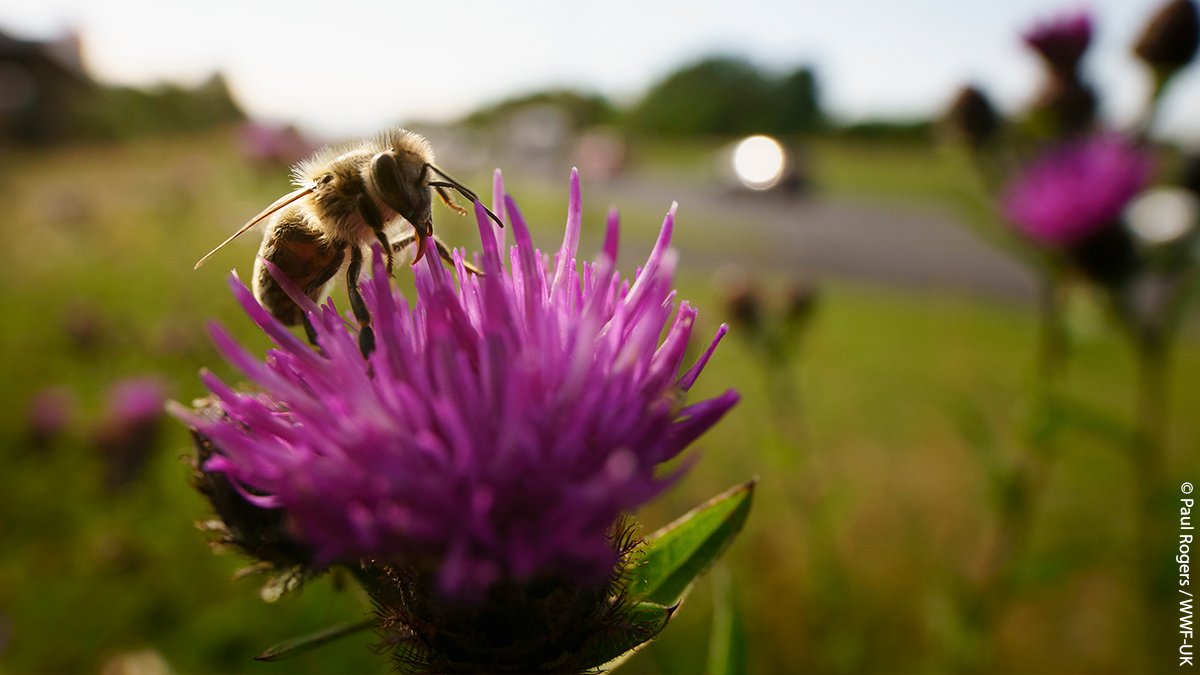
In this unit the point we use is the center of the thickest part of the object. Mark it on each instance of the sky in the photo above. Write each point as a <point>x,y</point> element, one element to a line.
<point>352,67</point>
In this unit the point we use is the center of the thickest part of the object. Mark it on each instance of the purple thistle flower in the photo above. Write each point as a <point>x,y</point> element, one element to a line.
<point>270,144</point>
<point>48,414</point>
<point>129,427</point>
<point>1076,190</point>
<point>1061,41</point>
<point>135,401</point>
<point>501,426</point>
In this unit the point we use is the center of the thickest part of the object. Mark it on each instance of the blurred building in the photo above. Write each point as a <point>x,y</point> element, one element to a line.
<point>42,87</point>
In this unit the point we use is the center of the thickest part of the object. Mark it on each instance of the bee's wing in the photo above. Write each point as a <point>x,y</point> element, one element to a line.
<point>278,204</point>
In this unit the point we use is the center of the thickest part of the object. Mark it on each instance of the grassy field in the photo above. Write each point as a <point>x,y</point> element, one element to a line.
<point>873,512</point>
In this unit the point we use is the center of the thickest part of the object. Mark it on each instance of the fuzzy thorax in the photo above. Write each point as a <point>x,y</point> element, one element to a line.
<point>340,174</point>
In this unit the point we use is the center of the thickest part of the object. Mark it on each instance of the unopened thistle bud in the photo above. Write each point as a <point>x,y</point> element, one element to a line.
<point>130,427</point>
<point>48,415</point>
<point>971,117</point>
<point>799,301</point>
<point>1190,174</point>
<point>1169,41</point>
<point>741,300</point>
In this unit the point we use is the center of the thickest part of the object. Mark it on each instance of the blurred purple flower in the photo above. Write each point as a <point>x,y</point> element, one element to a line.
<point>48,414</point>
<point>1061,41</point>
<point>1076,190</point>
<point>135,401</point>
<point>499,429</point>
<point>129,427</point>
<point>271,144</point>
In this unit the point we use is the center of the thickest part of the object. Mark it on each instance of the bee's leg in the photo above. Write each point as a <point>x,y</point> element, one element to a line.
<point>443,251</point>
<point>403,242</point>
<point>309,330</point>
<point>448,200</point>
<point>452,184</point>
<point>371,216</point>
<point>316,289</point>
<point>408,240</point>
<point>366,334</point>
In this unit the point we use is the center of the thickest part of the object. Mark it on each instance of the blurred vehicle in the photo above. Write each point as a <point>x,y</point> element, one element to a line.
<point>760,163</point>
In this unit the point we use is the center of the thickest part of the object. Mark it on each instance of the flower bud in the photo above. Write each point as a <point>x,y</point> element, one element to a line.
<point>1169,41</point>
<point>741,299</point>
<point>1190,174</point>
<point>129,429</point>
<point>1062,41</point>
<point>48,415</point>
<point>799,301</point>
<point>971,117</point>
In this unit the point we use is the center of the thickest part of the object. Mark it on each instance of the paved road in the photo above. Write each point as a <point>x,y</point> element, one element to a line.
<point>905,244</point>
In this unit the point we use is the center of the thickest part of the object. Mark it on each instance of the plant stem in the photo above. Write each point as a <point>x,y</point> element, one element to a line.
<point>1153,512</point>
<point>1052,344</point>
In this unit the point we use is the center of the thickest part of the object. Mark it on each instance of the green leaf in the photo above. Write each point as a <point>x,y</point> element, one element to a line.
<point>638,624</point>
<point>312,640</point>
<point>674,556</point>
<point>727,643</point>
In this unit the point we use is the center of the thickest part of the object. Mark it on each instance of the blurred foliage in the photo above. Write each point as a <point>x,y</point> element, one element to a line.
<point>125,112</point>
<point>911,131</point>
<point>715,96</point>
<point>582,109</point>
<point>724,96</point>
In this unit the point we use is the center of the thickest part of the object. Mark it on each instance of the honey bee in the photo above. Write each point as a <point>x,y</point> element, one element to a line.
<point>345,198</point>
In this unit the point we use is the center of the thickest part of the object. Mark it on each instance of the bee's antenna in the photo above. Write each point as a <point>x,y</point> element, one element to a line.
<point>462,189</point>
<point>275,206</point>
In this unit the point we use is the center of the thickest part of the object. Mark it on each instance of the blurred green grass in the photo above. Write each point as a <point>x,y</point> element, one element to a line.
<point>100,242</point>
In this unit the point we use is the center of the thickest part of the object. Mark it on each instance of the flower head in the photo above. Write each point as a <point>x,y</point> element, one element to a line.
<point>1076,190</point>
<point>135,401</point>
<point>48,414</point>
<point>498,430</point>
<point>1061,41</point>
<point>129,427</point>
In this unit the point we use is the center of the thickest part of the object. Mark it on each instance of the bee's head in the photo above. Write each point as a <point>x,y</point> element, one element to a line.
<point>398,179</point>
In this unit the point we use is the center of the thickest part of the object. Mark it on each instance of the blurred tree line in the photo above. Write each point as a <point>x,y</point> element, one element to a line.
<point>46,95</point>
<point>715,96</point>
<point>725,96</point>
<point>123,112</point>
